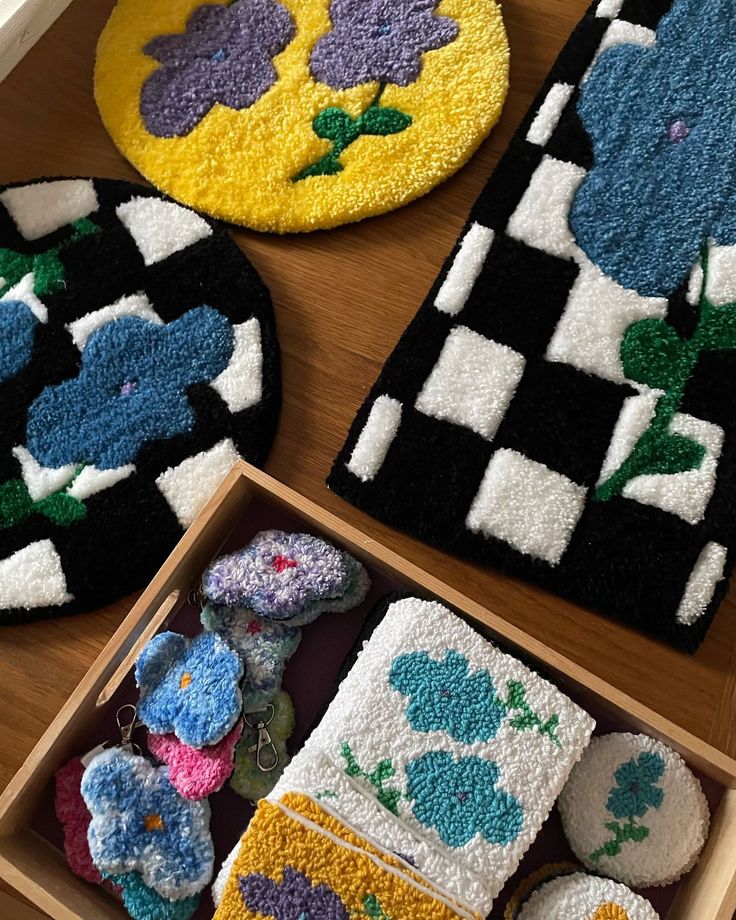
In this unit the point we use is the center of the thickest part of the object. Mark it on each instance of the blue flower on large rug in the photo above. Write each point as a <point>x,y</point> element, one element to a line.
<point>444,696</point>
<point>131,389</point>
<point>141,824</point>
<point>459,799</point>
<point>17,334</point>
<point>189,687</point>
<point>225,56</point>
<point>663,125</point>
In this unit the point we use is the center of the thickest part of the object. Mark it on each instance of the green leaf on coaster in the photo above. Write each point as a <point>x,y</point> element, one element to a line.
<point>651,352</point>
<point>380,121</point>
<point>15,503</point>
<point>336,125</point>
<point>516,694</point>
<point>62,509</point>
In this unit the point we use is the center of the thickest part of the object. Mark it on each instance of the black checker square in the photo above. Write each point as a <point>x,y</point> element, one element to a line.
<point>570,142</point>
<point>564,418</point>
<point>645,12</point>
<point>520,296</point>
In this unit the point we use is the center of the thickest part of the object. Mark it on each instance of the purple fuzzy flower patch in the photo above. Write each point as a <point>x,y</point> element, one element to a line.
<point>225,56</point>
<point>379,41</point>
<point>294,898</point>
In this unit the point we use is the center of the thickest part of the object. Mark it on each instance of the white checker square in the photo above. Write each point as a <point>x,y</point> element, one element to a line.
<point>455,290</point>
<point>527,505</point>
<point>608,9</point>
<point>598,313</point>
<point>43,207</point>
<point>472,383</point>
<point>161,228</point>
<point>702,583</point>
<point>541,217</point>
<point>376,438</point>
<point>548,116</point>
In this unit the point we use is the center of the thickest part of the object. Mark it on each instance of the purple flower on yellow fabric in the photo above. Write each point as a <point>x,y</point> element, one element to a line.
<point>225,56</point>
<point>293,898</point>
<point>372,41</point>
<point>379,41</point>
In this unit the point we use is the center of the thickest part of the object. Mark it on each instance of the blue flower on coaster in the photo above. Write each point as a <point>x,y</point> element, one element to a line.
<point>293,898</point>
<point>264,646</point>
<point>131,389</point>
<point>293,577</point>
<point>144,903</point>
<point>141,824</point>
<point>17,333</point>
<point>661,120</point>
<point>189,687</point>
<point>459,799</point>
<point>635,791</point>
<point>444,696</point>
<point>225,56</point>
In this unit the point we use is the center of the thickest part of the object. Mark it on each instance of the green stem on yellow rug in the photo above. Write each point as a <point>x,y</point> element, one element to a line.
<point>338,126</point>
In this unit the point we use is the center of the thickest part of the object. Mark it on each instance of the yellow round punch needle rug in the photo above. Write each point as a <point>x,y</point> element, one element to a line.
<point>295,115</point>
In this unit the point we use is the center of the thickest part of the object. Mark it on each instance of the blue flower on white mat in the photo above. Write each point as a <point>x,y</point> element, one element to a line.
<point>459,799</point>
<point>140,823</point>
<point>662,124</point>
<point>144,903</point>
<point>189,687</point>
<point>264,646</point>
<point>17,333</point>
<point>444,696</point>
<point>636,791</point>
<point>131,389</point>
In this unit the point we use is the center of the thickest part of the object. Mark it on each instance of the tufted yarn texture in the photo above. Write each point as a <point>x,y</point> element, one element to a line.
<point>263,645</point>
<point>196,773</point>
<point>248,779</point>
<point>190,687</point>
<point>333,110</point>
<point>478,803</point>
<point>74,817</point>
<point>633,810</point>
<point>585,897</point>
<point>289,577</point>
<point>141,824</point>
<point>296,860</point>
<point>143,903</point>
<point>138,363</point>
<point>557,408</point>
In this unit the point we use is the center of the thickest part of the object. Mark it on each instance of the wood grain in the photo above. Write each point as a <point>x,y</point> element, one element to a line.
<point>342,299</point>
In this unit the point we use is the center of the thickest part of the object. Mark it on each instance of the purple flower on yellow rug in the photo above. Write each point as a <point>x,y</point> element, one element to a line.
<point>294,898</point>
<point>379,41</point>
<point>372,41</point>
<point>225,56</point>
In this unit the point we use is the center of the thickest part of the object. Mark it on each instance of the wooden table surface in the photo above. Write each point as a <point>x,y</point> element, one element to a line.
<point>342,299</point>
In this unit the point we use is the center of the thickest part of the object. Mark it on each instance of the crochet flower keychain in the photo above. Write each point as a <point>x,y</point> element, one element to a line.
<point>127,828</point>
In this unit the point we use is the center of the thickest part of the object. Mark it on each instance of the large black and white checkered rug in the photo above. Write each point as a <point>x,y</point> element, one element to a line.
<point>503,426</point>
<point>138,361</point>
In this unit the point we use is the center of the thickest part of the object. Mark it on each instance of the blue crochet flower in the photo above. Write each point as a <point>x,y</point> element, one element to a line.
<point>263,645</point>
<point>17,333</point>
<point>635,791</point>
<point>663,125</point>
<point>140,823</point>
<point>189,687</point>
<point>445,697</point>
<point>132,388</point>
<point>459,799</point>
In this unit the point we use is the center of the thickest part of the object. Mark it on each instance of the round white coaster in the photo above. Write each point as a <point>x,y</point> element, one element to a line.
<point>633,810</point>
<point>586,897</point>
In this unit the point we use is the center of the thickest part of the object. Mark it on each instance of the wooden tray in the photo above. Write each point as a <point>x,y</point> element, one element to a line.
<point>33,866</point>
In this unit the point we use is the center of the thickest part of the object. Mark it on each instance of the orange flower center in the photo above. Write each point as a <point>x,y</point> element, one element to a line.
<point>186,679</point>
<point>610,911</point>
<point>154,822</point>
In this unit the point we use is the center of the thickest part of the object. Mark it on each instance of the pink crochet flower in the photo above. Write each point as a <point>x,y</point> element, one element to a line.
<point>74,818</point>
<point>196,772</point>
